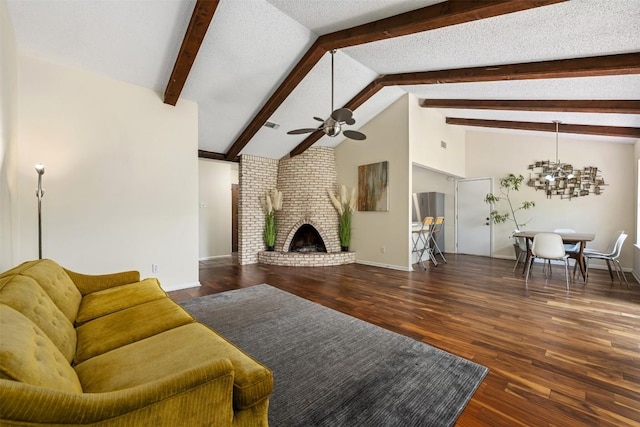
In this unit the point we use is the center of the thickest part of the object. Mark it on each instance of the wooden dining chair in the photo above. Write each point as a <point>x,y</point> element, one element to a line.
<point>548,246</point>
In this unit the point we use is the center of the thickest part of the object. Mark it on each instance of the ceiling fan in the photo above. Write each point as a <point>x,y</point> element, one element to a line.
<point>332,126</point>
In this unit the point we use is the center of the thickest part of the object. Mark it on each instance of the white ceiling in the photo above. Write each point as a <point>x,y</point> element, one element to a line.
<point>252,45</point>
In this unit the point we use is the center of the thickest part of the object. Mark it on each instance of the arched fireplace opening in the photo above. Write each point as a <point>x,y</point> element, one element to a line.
<point>307,239</point>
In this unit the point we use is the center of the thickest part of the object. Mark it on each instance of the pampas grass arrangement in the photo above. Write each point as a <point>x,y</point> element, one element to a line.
<point>345,206</point>
<point>272,203</point>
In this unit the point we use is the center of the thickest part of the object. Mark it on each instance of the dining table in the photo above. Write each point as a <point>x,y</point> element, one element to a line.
<point>567,238</point>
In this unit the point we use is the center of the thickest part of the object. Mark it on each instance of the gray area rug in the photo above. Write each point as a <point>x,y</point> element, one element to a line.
<point>331,369</point>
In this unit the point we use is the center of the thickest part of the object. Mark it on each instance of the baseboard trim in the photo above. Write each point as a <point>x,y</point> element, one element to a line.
<point>207,258</point>
<point>379,264</point>
<point>180,286</point>
<point>512,258</point>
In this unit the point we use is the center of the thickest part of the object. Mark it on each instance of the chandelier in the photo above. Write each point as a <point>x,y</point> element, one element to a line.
<point>561,179</point>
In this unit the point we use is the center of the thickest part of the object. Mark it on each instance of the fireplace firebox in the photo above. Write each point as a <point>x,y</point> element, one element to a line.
<point>307,239</point>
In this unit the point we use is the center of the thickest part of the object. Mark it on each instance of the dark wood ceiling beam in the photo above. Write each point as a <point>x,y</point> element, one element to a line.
<point>427,18</point>
<point>617,106</point>
<point>451,12</point>
<point>614,64</point>
<point>629,132</point>
<point>200,19</point>
<point>595,66</point>
<point>308,61</point>
<point>215,156</point>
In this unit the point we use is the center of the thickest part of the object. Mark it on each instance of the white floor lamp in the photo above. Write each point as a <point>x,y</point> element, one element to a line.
<point>39,193</point>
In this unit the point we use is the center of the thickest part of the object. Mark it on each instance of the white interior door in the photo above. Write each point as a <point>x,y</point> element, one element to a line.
<point>473,234</point>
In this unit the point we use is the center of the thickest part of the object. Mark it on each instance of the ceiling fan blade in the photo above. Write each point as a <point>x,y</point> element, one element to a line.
<point>318,119</point>
<point>301,131</point>
<point>341,114</point>
<point>351,121</point>
<point>354,134</point>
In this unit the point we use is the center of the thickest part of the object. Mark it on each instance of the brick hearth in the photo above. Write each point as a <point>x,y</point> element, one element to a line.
<point>297,259</point>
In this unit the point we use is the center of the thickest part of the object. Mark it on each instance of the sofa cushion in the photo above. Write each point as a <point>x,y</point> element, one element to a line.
<point>26,296</point>
<point>101,303</point>
<point>127,326</point>
<point>27,355</point>
<point>174,351</point>
<point>55,282</point>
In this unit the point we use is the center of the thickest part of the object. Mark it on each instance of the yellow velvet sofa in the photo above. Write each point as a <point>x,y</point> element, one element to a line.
<point>111,350</point>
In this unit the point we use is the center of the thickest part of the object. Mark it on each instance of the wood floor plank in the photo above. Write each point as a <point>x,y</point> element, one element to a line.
<point>555,357</point>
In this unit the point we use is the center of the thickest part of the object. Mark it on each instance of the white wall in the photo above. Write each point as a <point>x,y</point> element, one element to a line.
<point>387,140</point>
<point>121,178</point>
<point>496,154</point>
<point>427,129</point>
<point>434,166</point>
<point>215,178</point>
<point>9,218</point>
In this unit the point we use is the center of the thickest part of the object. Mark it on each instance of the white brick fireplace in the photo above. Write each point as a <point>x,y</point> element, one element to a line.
<point>305,181</point>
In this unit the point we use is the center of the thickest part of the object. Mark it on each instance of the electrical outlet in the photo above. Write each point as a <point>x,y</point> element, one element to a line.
<point>154,268</point>
<point>383,250</point>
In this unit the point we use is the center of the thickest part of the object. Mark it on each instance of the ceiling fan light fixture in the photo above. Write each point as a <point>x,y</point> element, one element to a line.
<point>332,126</point>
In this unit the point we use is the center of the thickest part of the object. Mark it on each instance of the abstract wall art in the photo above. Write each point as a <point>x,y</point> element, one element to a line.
<point>373,187</point>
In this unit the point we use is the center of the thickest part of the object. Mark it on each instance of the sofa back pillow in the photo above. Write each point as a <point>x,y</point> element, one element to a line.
<point>56,283</point>
<point>23,294</point>
<point>28,355</point>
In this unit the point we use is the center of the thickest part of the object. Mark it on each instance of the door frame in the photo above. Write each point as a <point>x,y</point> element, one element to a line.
<point>456,212</point>
<point>235,189</point>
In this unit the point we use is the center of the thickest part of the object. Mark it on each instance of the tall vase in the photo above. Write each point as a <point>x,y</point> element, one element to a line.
<point>344,248</point>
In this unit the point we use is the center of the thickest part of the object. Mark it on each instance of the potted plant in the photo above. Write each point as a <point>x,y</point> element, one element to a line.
<point>508,184</point>
<point>345,206</point>
<point>272,203</point>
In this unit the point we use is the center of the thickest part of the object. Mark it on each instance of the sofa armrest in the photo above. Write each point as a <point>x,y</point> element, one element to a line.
<point>92,283</point>
<point>197,396</point>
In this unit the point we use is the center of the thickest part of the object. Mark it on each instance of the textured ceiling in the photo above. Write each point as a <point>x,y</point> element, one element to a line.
<point>252,45</point>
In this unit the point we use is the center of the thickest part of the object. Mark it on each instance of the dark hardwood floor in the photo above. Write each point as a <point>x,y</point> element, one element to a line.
<point>556,357</point>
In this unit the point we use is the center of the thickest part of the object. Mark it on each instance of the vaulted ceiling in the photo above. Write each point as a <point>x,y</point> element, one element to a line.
<point>515,65</point>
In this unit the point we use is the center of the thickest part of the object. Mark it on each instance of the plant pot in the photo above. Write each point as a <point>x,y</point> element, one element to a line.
<point>270,248</point>
<point>344,248</point>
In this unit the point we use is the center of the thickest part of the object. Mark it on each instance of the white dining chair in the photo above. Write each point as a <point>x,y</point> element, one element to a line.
<point>610,246</point>
<point>548,246</point>
<point>569,248</point>
<point>610,257</point>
